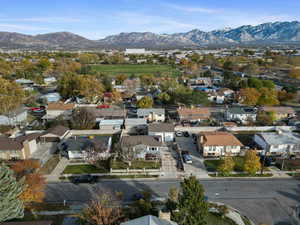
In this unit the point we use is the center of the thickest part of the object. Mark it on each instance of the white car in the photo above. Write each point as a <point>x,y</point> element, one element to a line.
<point>179,133</point>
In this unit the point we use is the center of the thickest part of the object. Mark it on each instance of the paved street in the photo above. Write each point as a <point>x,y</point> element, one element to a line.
<point>267,201</point>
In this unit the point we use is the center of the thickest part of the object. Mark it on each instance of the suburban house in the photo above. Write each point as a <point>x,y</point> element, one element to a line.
<point>149,220</point>
<point>54,134</point>
<point>142,145</point>
<point>108,113</point>
<point>86,147</point>
<point>25,84</point>
<point>242,115</point>
<point>152,115</point>
<point>115,124</point>
<point>55,110</point>
<point>19,148</point>
<point>194,114</point>
<point>51,97</point>
<point>14,117</point>
<point>281,112</point>
<point>165,131</point>
<point>217,144</point>
<point>200,82</point>
<point>277,143</point>
<point>49,80</point>
<point>132,125</point>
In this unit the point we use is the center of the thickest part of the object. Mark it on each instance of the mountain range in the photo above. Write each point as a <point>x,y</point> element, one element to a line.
<point>267,33</point>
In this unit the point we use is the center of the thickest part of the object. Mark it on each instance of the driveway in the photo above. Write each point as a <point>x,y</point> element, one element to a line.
<point>197,168</point>
<point>169,162</point>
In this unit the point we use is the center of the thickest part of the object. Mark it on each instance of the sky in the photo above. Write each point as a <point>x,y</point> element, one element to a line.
<point>96,19</point>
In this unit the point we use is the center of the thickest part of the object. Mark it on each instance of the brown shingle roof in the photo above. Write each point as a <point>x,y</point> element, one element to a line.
<point>10,144</point>
<point>161,127</point>
<point>28,137</point>
<point>60,106</point>
<point>57,130</point>
<point>195,113</point>
<point>140,139</point>
<point>219,139</point>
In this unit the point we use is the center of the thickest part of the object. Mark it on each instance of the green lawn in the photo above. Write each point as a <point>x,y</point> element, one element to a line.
<point>212,165</point>
<point>142,69</point>
<point>215,219</point>
<point>81,169</point>
<point>136,165</point>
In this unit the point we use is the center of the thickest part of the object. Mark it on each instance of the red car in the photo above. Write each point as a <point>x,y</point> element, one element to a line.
<point>35,109</point>
<point>103,106</point>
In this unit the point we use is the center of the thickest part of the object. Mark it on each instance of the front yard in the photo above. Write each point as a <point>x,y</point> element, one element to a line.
<point>212,165</point>
<point>82,169</point>
<point>139,164</point>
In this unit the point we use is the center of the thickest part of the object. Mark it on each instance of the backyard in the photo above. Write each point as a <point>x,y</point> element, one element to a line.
<point>143,69</point>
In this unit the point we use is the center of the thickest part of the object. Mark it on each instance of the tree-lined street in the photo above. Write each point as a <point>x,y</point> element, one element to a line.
<point>269,201</point>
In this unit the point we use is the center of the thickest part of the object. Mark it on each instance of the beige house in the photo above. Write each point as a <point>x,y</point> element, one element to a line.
<point>18,148</point>
<point>216,144</point>
<point>55,110</point>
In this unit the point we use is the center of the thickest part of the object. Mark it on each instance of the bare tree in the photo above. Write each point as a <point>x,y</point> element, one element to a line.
<point>105,209</point>
<point>126,153</point>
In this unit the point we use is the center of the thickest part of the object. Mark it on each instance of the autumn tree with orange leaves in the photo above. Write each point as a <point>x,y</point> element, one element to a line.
<point>35,181</point>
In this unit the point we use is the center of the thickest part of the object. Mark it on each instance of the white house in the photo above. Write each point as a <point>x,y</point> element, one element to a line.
<point>216,144</point>
<point>85,147</point>
<point>165,131</point>
<point>242,115</point>
<point>141,145</point>
<point>14,117</point>
<point>277,143</point>
<point>152,115</point>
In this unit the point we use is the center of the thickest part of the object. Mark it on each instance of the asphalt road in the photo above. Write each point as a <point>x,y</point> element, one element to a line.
<point>264,201</point>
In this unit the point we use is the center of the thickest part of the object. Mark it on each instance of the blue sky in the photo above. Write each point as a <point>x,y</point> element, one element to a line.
<point>96,19</point>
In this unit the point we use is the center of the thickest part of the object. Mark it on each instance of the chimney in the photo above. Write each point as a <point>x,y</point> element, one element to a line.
<point>164,215</point>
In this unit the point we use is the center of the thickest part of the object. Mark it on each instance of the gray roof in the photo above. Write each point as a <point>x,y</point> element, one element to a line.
<point>273,138</point>
<point>10,144</point>
<point>84,143</point>
<point>149,220</point>
<point>161,127</point>
<point>57,130</point>
<point>140,139</point>
<point>108,113</point>
<point>135,121</point>
<point>146,112</point>
<point>240,110</point>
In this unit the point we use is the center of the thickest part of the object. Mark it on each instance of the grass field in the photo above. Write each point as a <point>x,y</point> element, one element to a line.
<point>142,69</point>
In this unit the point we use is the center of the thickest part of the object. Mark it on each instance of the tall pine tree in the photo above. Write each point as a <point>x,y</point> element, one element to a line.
<point>11,207</point>
<point>192,208</point>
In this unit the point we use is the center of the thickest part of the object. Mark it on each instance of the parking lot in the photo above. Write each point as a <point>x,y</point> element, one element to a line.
<point>197,167</point>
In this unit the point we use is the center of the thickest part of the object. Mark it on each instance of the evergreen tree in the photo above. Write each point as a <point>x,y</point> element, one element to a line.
<point>11,207</point>
<point>192,209</point>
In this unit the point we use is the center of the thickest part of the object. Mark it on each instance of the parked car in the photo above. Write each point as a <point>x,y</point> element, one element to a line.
<point>186,157</point>
<point>103,106</point>
<point>178,133</point>
<point>186,134</point>
<point>84,179</point>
